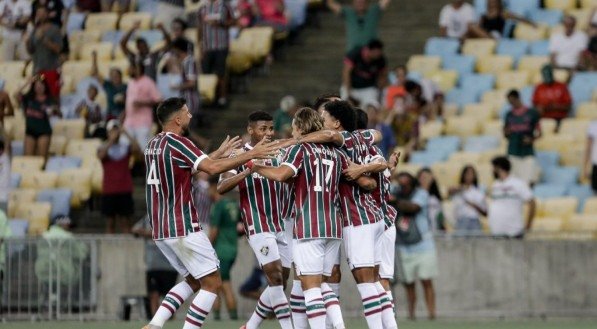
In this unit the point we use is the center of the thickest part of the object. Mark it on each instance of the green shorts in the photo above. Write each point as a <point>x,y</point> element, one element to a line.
<point>226,268</point>
<point>417,265</point>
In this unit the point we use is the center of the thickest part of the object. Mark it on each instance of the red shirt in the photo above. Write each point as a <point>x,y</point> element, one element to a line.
<point>117,175</point>
<point>555,93</point>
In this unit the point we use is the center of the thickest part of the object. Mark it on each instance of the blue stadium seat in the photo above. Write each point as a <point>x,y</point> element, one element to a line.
<point>547,159</point>
<point>480,7</point>
<point>68,104</point>
<point>546,191</point>
<point>582,86</point>
<point>415,76</point>
<point>581,192</point>
<point>539,48</point>
<point>462,64</point>
<point>523,7</point>
<point>75,21</point>
<point>84,84</point>
<point>444,144</point>
<point>113,36</point>
<point>60,163</point>
<point>567,176</point>
<point>477,84</point>
<point>15,180</point>
<point>512,47</point>
<point>425,158</point>
<point>547,16</point>
<point>17,148</point>
<point>526,95</point>
<point>441,46</point>
<point>59,198</point>
<point>481,143</point>
<point>148,6</point>
<point>151,36</point>
<point>461,97</point>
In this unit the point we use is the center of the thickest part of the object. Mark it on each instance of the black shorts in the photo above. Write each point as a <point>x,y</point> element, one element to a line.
<point>118,204</point>
<point>161,281</point>
<point>37,133</point>
<point>214,62</point>
<point>594,178</point>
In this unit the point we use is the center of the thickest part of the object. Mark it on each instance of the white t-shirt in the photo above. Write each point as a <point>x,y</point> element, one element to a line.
<point>11,11</point>
<point>568,49</point>
<point>4,177</point>
<point>506,209</point>
<point>456,21</point>
<point>473,195</point>
<point>592,132</point>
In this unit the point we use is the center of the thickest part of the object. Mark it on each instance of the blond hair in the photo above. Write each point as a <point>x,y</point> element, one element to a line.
<point>308,120</point>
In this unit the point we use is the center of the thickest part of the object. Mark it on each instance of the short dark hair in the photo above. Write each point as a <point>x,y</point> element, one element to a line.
<point>1,143</point>
<point>260,116</point>
<point>375,44</point>
<point>180,44</point>
<point>169,107</point>
<point>412,180</point>
<point>142,40</point>
<point>343,112</point>
<point>410,86</point>
<point>362,118</point>
<point>181,22</point>
<point>513,93</point>
<point>322,99</point>
<point>502,162</point>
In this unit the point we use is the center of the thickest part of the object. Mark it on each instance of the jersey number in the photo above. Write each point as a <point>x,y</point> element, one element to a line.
<point>152,178</point>
<point>328,173</point>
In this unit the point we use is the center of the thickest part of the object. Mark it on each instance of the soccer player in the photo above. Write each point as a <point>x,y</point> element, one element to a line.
<point>261,212</point>
<point>171,161</point>
<point>317,169</point>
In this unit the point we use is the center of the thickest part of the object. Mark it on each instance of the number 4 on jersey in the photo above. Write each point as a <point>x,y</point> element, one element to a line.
<point>152,178</point>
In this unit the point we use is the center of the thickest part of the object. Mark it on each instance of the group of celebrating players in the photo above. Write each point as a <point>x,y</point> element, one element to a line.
<point>299,199</point>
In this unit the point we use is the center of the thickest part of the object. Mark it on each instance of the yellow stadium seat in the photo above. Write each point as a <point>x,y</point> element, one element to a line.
<point>191,6</point>
<point>19,196</point>
<point>560,4</point>
<point>487,156</point>
<point>590,206</point>
<point>530,33</point>
<point>39,180</point>
<point>83,148</point>
<point>14,128</point>
<point>238,63</point>
<point>446,80</point>
<point>557,143</point>
<point>495,97</point>
<point>582,223</point>
<point>481,111</point>
<point>478,47</point>
<point>583,17</point>
<point>26,164</point>
<point>77,70</point>
<point>121,64</point>
<point>79,39</point>
<point>256,42</point>
<point>103,50</point>
<point>208,84</point>
<point>573,156</point>
<point>532,63</point>
<point>72,129</point>
<point>462,126</point>
<point>493,128</point>
<point>512,80</point>
<point>101,22</point>
<point>559,75</point>
<point>494,64</point>
<point>94,164</point>
<point>410,168</point>
<point>574,127</point>
<point>588,3</point>
<point>57,145</point>
<point>447,173</point>
<point>37,214</point>
<point>558,29</point>
<point>450,110</point>
<point>485,174</point>
<point>464,158</point>
<point>548,126</point>
<point>587,110</point>
<point>431,129</point>
<point>79,181</point>
<point>423,64</point>
<point>547,225</point>
<point>129,19</point>
<point>12,69</point>
<point>562,207</point>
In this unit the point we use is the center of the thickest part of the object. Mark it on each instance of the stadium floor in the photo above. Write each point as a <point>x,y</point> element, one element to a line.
<point>352,324</point>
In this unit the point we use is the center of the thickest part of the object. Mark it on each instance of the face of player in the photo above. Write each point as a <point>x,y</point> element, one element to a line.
<point>183,118</point>
<point>329,122</point>
<point>260,130</point>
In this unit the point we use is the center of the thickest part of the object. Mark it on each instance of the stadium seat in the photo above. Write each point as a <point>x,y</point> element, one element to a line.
<point>59,198</point>
<point>445,80</point>
<point>574,127</point>
<point>130,18</point>
<point>462,64</point>
<point>547,191</point>
<point>494,64</point>
<point>480,6</point>
<point>582,223</point>
<point>102,49</point>
<point>256,42</point>
<point>539,48</point>
<point>430,129</point>
<point>547,159</point>
<point>512,80</point>
<point>238,63</point>
<point>423,64</point>
<point>590,206</point>
<point>425,158</point>
<point>497,98</point>
<point>121,64</point>
<point>523,7</point>
<point>18,228</point>
<point>72,129</point>
<point>583,17</point>
<point>530,33</point>
<point>560,5</point>
<point>97,173</point>
<point>57,145</point>
<point>547,225</point>
<point>153,37</point>
<point>557,143</point>
<point>39,180</point>
<point>113,37</point>
<point>59,163</point>
<point>411,168</point>
<point>441,46</point>
<point>566,176</point>
<point>15,180</point>
<point>479,47</point>
<point>447,144</point>
<point>19,196</point>
<point>481,143</point>
<point>582,193</point>
<point>484,173</point>
<point>79,181</point>
<point>447,174</point>
<point>101,22</point>
<point>79,39</point>
<point>12,69</point>
<point>464,158</point>
<point>37,214</point>
<point>75,22</point>
<point>14,127</point>
<point>17,148</point>
<point>76,70</point>
<point>208,84</point>
<point>513,48</point>
<point>582,86</point>
<point>587,110</point>
<point>559,75</point>
<point>460,97</point>
<point>480,111</point>
<point>532,63</point>
<point>547,17</point>
<point>26,164</point>
<point>548,126</point>
<point>589,4</point>
<point>462,126</point>
<point>573,156</point>
<point>563,207</point>
<point>489,155</point>
<point>83,148</point>
<point>493,128</point>
<point>477,84</point>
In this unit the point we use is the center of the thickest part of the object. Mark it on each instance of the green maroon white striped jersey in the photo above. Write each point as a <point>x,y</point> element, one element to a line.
<point>381,194</point>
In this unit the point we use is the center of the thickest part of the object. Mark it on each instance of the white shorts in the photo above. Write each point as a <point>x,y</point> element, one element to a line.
<point>387,245</point>
<point>315,256</point>
<point>288,230</point>
<point>360,245</point>
<point>192,254</point>
<point>270,247</point>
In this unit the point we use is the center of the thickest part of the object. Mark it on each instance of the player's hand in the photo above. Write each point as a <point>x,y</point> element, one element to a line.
<point>265,149</point>
<point>393,162</point>
<point>353,171</point>
<point>228,145</point>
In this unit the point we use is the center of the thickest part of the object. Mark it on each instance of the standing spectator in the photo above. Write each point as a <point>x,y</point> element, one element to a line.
<point>590,160</point>
<point>396,89</point>
<point>508,195</point>
<point>215,19</point>
<point>493,22</point>
<point>114,88</point>
<point>168,10</point>
<point>283,116</point>
<point>428,183</point>
<point>117,187</point>
<point>364,73</point>
<point>160,275</point>
<point>271,13</point>
<point>469,202</point>
<point>4,173</point>
<point>223,234</point>
<point>14,17</point>
<point>190,75</point>
<point>361,21</point>
<point>566,48</point>
<point>55,10</point>
<point>552,98</point>
<point>6,108</point>
<point>177,31</point>
<point>377,121</point>
<point>202,199</point>
<point>141,96</point>
<point>38,105</point>
<point>90,110</point>
<point>521,128</point>
<point>457,19</point>
<point>149,59</point>
<point>45,44</point>
<point>415,245</point>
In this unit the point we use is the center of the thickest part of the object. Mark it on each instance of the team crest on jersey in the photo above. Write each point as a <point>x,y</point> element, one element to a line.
<point>265,250</point>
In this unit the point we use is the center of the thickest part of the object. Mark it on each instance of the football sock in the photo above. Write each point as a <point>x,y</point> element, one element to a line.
<point>315,308</point>
<point>371,306</point>
<point>387,313</point>
<point>171,303</point>
<point>332,307</point>
<point>199,309</point>
<point>280,305</point>
<point>262,310</point>
<point>297,304</point>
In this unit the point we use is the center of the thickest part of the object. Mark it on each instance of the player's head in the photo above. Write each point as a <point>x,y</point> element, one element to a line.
<point>468,176</point>
<point>174,111</point>
<point>260,125</point>
<point>306,121</point>
<point>339,116</point>
<point>407,183</point>
<point>324,99</point>
<point>362,118</point>
<point>501,167</point>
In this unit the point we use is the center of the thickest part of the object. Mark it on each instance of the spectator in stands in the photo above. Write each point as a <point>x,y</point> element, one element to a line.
<point>405,125</point>
<point>149,59</point>
<point>270,13</point>
<point>457,19</point>
<point>283,116</point>
<point>117,187</point>
<point>225,217</point>
<point>415,102</point>
<point>469,202</point>
<point>115,90</point>
<point>90,110</point>
<point>427,182</point>
<point>160,275</point>
<point>88,6</point>
<point>4,173</point>
<point>14,17</point>
<point>377,121</point>
<point>567,48</point>
<point>396,89</point>
<point>215,19</point>
<point>188,87</point>
<point>168,10</point>
<point>361,21</point>
<point>364,73</point>
<point>414,242</point>
<point>521,128</point>
<point>177,31</point>
<point>590,160</point>
<point>493,22</point>
<point>55,10</point>
<point>508,195</point>
<point>142,95</point>
<point>6,109</point>
<point>44,44</point>
<point>38,106</point>
<point>552,98</point>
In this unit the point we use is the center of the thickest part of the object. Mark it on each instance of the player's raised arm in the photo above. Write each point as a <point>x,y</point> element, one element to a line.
<point>319,137</point>
<point>279,174</point>
<point>262,150</point>
<point>229,180</point>
<point>226,148</point>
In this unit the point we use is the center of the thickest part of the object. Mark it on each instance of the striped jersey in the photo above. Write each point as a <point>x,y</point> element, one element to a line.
<point>260,200</point>
<point>358,205</point>
<point>215,37</point>
<point>288,196</point>
<point>171,160</point>
<point>318,169</point>
<point>381,194</point>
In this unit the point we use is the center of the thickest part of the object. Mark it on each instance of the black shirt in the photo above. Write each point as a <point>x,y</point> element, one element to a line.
<point>364,73</point>
<point>494,24</point>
